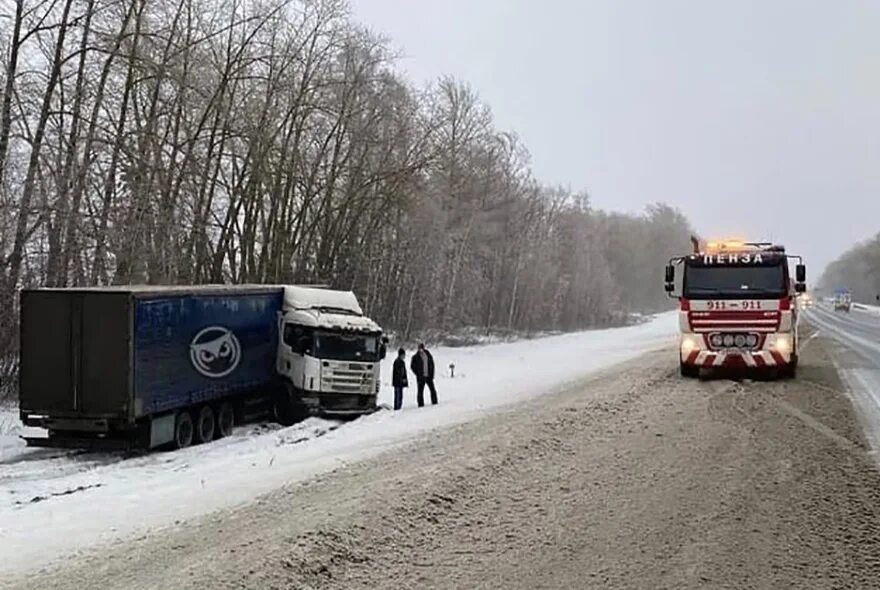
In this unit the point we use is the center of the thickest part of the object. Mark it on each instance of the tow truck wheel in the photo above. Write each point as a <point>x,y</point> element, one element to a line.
<point>789,371</point>
<point>183,430</point>
<point>225,420</point>
<point>205,425</point>
<point>689,371</point>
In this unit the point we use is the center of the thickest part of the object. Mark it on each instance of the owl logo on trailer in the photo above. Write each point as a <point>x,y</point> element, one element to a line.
<point>215,352</point>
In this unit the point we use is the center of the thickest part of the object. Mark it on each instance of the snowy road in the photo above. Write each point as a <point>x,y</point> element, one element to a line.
<point>858,333</point>
<point>56,504</point>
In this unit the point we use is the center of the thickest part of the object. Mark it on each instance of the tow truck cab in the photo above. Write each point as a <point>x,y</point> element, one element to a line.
<point>737,308</point>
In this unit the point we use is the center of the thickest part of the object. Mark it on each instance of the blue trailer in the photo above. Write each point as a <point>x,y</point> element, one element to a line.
<point>146,367</point>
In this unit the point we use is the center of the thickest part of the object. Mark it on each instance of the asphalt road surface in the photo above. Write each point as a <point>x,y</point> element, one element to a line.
<point>857,353</point>
<point>635,478</point>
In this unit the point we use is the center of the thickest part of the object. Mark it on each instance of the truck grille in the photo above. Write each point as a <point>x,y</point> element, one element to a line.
<point>711,321</point>
<point>349,378</point>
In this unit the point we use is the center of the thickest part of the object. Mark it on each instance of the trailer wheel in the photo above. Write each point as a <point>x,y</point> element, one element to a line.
<point>183,430</point>
<point>205,425</point>
<point>225,420</point>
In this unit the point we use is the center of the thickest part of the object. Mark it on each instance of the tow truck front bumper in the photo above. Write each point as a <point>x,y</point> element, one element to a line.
<point>776,352</point>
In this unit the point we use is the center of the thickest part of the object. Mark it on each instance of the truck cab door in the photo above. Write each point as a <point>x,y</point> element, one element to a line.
<point>292,352</point>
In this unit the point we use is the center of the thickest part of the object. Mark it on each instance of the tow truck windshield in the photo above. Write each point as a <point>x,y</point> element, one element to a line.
<point>719,282</point>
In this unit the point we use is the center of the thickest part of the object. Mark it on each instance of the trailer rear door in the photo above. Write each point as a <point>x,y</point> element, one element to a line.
<point>75,353</point>
<point>105,357</point>
<point>46,355</point>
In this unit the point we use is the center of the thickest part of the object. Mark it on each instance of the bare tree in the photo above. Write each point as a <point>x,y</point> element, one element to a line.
<point>188,141</point>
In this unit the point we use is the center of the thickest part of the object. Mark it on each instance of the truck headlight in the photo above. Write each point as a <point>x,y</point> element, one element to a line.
<point>783,343</point>
<point>688,344</point>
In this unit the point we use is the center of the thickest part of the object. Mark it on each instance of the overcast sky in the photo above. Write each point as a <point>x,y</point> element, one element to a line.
<point>756,118</point>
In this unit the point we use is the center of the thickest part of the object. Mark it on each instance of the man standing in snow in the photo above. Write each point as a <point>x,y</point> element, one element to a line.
<point>398,378</point>
<point>422,365</point>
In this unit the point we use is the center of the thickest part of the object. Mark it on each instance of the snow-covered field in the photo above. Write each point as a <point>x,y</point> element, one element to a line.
<point>56,503</point>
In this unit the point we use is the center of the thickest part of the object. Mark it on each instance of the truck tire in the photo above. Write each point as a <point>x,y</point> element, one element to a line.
<point>225,420</point>
<point>205,425</point>
<point>284,412</point>
<point>183,430</point>
<point>288,409</point>
<point>689,371</point>
<point>789,371</point>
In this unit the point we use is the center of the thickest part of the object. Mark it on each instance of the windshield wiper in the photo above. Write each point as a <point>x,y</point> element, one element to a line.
<point>336,310</point>
<point>760,291</point>
<point>733,292</point>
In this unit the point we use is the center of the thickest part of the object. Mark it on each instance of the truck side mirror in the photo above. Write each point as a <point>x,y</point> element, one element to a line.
<point>800,287</point>
<point>800,273</point>
<point>670,279</point>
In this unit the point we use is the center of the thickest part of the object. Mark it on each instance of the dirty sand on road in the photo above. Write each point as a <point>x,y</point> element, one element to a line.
<point>633,479</point>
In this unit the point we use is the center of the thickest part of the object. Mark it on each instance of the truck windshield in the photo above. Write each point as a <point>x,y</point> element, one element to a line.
<point>758,282</point>
<point>346,347</point>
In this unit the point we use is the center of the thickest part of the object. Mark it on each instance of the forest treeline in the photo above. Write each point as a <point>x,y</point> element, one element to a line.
<point>276,141</point>
<point>857,269</point>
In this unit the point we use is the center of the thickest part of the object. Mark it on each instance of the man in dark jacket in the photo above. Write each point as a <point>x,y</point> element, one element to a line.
<point>422,365</point>
<point>398,378</point>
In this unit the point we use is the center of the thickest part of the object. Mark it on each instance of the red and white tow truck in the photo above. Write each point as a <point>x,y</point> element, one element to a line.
<point>737,308</point>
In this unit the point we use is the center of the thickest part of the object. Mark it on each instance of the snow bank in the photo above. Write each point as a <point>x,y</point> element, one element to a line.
<point>54,503</point>
<point>872,309</point>
<point>9,431</point>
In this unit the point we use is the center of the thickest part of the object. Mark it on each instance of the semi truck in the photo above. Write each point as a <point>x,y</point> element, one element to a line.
<point>151,367</point>
<point>737,308</point>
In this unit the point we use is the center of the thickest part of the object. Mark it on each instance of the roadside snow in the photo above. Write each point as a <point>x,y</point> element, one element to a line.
<point>11,431</point>
<point>872,309</point>
<point>54,504</point>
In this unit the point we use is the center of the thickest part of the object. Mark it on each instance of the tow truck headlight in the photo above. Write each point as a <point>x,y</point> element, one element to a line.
<point>688,344</point>
<point>717,340</point>
<point>739,340</point>
<point>728,340</point>
<point>783,343</point>
<point>751,340</point>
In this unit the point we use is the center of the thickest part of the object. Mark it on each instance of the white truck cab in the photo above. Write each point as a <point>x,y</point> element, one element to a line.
<point>330,354</point>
